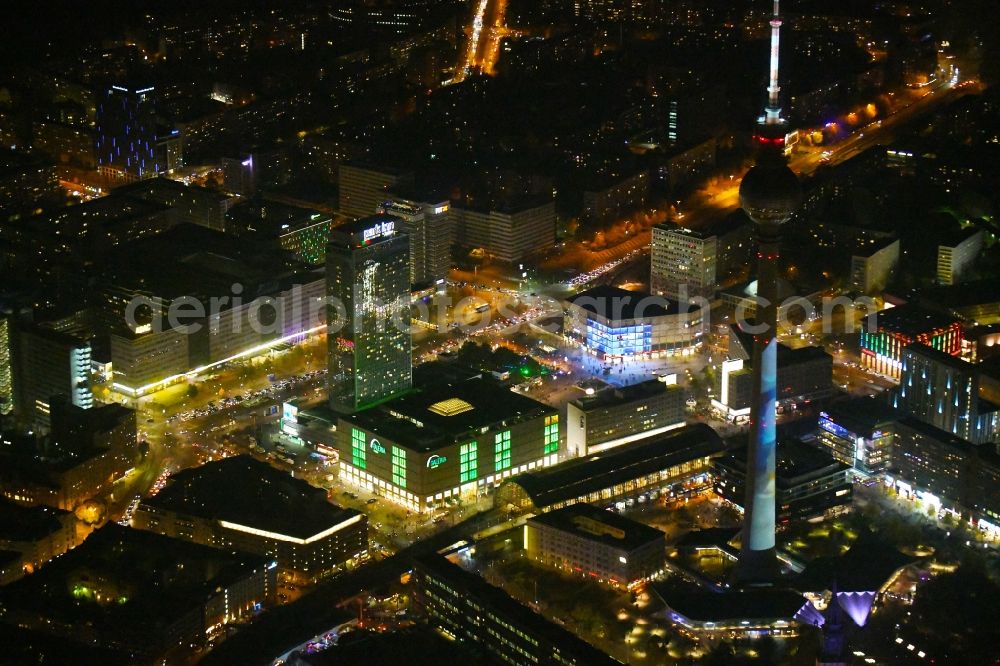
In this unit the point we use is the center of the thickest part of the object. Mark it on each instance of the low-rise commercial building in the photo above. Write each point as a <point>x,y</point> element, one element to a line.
<point>596,543</point>
<point>193,298</point>
<point>678,461</point>
<point>243,504</point>
<point>752,613</point>
<point>469,610</point>
<point>804,374</point>
<point>899,327</point>
<point>620,415</point>
<point>610,323</point>
<point>446,440</point>
<point>859,433</point>
<point>809,482</point>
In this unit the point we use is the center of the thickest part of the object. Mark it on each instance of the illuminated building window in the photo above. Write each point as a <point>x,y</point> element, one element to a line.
<point>358,449</point>
<point>399,466</point>
<point>468,461</point>
<point>501,459</point>
<point>551,434</point>
<point>620,341</point>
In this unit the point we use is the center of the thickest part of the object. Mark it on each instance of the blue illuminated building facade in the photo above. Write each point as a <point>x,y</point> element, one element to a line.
<point>946,392</point>
<point>130,145</point>
<point>621,341</point>
<point>611,323</point>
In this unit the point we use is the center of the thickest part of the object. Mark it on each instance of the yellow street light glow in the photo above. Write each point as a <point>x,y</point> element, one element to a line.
<point>121,388</point>
<point>284,537</point>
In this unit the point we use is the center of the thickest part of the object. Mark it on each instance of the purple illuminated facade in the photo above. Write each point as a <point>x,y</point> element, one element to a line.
<point>857,604</point>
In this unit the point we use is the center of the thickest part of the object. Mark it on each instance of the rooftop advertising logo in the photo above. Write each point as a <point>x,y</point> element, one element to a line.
<point>380,230</point>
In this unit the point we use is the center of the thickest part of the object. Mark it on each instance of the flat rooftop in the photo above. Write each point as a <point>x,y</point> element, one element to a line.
<point>616,304</point>
<point>414,646</point>
<point>507,205</point>
<point>936,434</point>
<point>624,395</point>
<point>966,294</point>
<point>435,415</point>
<point>729,224</point>
<point>796,461</point>
<point>959,237</point>
<point>911,320</point>
<point>251,493</point>
<point>871,246</point>
<point>862,415</point>
<point>190,260</point>
<point>786,355</point>
<point>865,567</point>
<point>21,523</point>
<point>113,209</point>
<point>273,219</point>
<point>580,477</point>
<point>164,186</point>
<point>683,231</point>
<point>939,356</point>
<point>702,605</point>
<point>127,586</point>
<point>600,526</point>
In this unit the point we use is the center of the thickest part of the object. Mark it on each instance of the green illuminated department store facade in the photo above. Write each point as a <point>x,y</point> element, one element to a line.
<point>446,441</point>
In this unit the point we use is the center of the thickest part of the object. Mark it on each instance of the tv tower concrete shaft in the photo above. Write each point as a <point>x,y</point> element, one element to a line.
<point>770,194</point>
<point>758,560</point>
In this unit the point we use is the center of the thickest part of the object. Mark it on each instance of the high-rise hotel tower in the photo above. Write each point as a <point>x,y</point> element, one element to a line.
<point>368,285</point>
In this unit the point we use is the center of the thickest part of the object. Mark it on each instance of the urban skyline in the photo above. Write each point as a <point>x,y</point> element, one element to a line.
<point>505,331</point>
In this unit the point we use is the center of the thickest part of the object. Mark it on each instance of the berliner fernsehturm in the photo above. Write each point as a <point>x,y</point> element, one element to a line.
<point>769,194</point>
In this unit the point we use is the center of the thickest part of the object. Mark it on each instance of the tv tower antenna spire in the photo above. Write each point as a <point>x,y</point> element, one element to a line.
<point>772,114</point>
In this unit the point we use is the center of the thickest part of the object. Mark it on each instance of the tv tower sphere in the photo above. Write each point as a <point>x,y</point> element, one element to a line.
<point>770,193</point>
